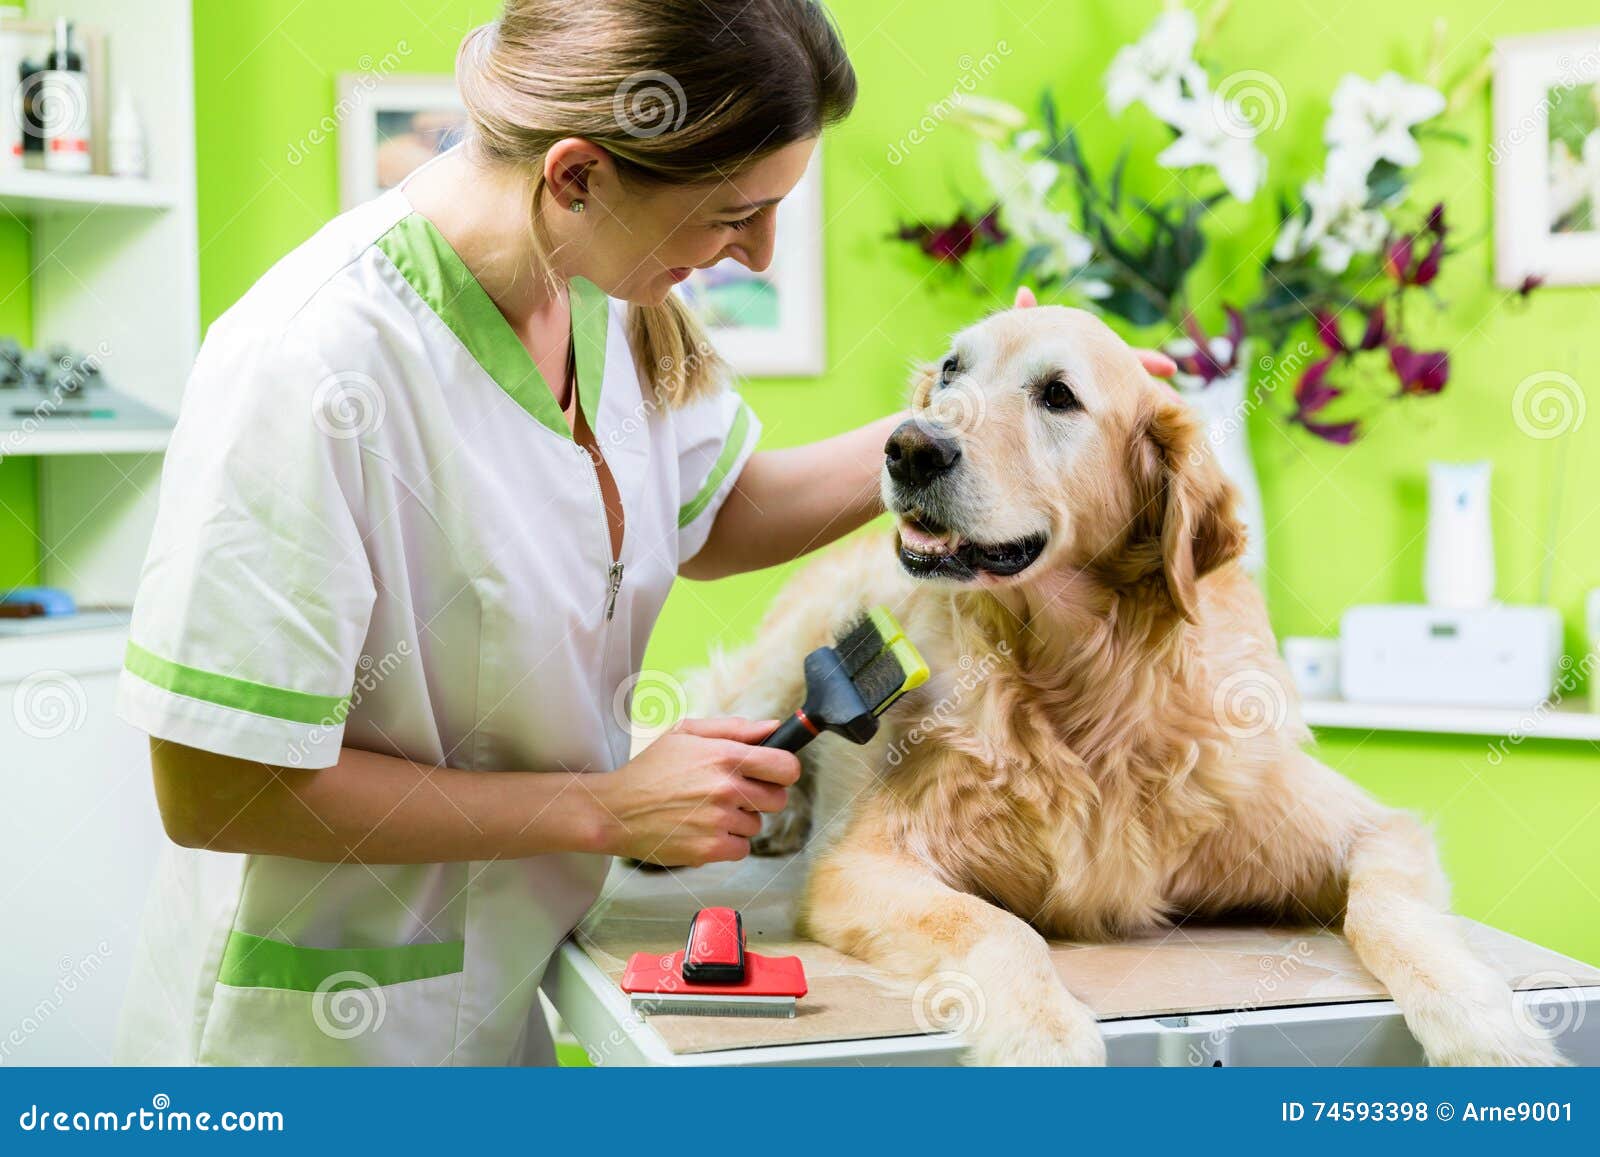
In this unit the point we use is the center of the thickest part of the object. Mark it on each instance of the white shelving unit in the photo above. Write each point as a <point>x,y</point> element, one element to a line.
<point>33,193</point>
<point>115,273</point>
<point>1566,720</point>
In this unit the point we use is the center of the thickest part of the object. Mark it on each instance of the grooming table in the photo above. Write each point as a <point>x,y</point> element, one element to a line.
<point>1195,995</point>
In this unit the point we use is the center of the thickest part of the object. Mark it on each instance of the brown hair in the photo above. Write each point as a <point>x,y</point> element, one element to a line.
<point>676,91</point>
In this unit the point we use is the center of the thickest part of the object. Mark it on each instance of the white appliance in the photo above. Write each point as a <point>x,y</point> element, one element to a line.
<point>79,840</point>
<point>1485,657</point>
<point>1459,568</point>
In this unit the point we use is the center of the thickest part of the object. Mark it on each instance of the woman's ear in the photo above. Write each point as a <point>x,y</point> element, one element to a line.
<point>572,169</point>
<point>1192,501</point>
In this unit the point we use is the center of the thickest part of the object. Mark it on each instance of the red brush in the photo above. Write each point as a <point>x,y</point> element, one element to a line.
<point>714,975</point>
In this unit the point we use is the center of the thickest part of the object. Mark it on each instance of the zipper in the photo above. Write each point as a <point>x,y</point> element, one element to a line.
<point>616,585</point>
<point>614,571</point>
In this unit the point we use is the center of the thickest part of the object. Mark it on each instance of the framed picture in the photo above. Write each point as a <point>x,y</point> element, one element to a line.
<point>769,324</point>
<point>1546,155</point>
<point>389,126</point>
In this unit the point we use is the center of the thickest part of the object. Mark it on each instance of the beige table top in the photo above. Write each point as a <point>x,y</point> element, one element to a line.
<point>1188,969</point>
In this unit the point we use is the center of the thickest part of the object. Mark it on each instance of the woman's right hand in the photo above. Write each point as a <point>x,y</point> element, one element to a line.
<point>695,795</point>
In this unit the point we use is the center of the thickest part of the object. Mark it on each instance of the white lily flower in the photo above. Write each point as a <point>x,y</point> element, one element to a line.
<point>1156,68</point>
<point>991,119</point>
<point>1021,185</point>
<point>1373,120</point>
<point>1204,140</point>
<point>1340,225</point>
<point>1012,176</point>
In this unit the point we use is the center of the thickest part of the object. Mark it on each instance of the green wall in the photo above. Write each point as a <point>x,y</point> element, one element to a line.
<point>19,545</point>
<point>1346,524</point>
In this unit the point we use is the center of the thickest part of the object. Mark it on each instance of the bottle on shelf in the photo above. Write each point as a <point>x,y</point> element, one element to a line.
<point>128,156</point>
<point>64,106</point>
<point>10,89</point>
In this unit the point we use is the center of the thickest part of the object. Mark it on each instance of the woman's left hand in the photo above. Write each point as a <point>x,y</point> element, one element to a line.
<point>1154,361</point>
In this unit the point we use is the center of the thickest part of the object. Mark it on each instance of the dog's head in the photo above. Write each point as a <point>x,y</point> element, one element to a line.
<point>1039,442</point>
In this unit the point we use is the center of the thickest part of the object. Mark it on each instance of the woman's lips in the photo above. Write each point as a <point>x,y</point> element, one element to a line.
<point>679,275</point>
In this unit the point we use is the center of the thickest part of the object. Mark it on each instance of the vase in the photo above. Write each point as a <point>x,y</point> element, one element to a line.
<point>1223,410</point>
<point>1458,570</point>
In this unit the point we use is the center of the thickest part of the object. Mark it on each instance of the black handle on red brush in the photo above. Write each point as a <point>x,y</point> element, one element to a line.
<point>792,734</point>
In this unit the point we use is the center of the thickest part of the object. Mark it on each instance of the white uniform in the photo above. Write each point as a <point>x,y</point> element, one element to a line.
<point>376,529</point>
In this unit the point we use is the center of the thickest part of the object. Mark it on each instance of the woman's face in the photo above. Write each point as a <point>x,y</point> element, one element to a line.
<point>646,239</point>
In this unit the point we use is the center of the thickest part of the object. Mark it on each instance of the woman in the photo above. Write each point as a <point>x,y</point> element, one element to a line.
<point>432,480</point>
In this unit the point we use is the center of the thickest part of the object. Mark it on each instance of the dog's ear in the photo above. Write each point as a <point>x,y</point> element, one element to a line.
<point>1025,298</point>
<point>1188,503</point>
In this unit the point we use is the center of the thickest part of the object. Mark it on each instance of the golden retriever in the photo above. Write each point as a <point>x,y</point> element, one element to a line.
<point>1108,741</point>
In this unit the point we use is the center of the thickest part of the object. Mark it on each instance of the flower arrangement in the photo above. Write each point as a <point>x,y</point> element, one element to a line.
<point>1350,252</point>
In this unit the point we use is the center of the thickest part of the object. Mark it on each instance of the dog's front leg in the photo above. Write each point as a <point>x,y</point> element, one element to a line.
<point>1460,1011</point>
<point>981,971</point>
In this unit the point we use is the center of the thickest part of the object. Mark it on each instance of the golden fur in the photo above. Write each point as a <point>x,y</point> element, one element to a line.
<point>1109,740</point>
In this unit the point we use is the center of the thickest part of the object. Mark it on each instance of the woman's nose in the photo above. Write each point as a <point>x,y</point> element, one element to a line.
<point>755,252</point>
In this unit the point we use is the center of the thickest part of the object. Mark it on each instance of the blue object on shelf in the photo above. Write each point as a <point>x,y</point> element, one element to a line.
<point>54,600</point>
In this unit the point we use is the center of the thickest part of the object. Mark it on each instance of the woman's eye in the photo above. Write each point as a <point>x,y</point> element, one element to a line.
<point>1059,396</point>
<point>948,370</point>
<point>742,223</point>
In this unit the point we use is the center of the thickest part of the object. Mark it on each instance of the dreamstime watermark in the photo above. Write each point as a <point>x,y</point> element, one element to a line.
<point>948,1002</point>
<point>1249,703</point>
<point>970,674</point>
<point>74,974</point>
<point>649,103</point>
<point>1571,675</point>
<point>952,410</point>
<point>1531,125</point>
<point>49,704</point>
<point>1275,971</point>
<point>160,1117</point>
<point>369,676</point>
<point>1548,404</point>
<point>972,72</point>
<point>1549,1005</point>
<point>71,375</point>
<point>1248,103</point>
<point>1274,372</point>
<point>348,1004</point>
<point>647,703</point>
<point>371,72</point>
<point>347,404</point>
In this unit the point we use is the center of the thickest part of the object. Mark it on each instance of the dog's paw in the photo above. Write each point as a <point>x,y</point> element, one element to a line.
<point>1496,1037</point>
<point>1033,1049</point>
<point>782,833</point>
<point>1064,1035</point>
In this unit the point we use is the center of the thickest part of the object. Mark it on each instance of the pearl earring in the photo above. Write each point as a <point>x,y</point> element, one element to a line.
<point>577,206</point>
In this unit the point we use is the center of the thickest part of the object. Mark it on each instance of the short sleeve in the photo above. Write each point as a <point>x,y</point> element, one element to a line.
<point>256,594</point>
<point>715,438</point>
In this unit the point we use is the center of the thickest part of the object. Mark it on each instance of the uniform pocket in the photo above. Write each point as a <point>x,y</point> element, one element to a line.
<point>277,1003</point>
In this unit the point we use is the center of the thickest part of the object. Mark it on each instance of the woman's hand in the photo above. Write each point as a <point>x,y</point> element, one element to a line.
<point>1154,361</point>
<point>695,795</point>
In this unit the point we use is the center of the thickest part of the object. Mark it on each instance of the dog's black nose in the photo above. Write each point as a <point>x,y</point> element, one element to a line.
<point>915,455</point>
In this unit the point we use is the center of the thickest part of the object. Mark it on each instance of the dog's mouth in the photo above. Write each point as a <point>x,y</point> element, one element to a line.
<point>931,550</point>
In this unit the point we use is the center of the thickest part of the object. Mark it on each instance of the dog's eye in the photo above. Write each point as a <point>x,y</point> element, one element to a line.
<point>1057,395</point>
<point>948,370</point>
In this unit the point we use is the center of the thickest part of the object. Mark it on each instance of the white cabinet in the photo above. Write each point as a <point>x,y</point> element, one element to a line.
<point>79,839</point>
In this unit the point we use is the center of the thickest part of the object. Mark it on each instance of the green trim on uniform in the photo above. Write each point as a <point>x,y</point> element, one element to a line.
<point>256,962</point>
<point>692,509</point>
<point>239,694</point>
<point>438,275</point>
<point>591,318</point>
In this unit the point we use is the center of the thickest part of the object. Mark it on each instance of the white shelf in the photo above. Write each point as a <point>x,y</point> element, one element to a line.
<point>55,443</point>
<point>1567,720</point>
<point>30,192</point>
